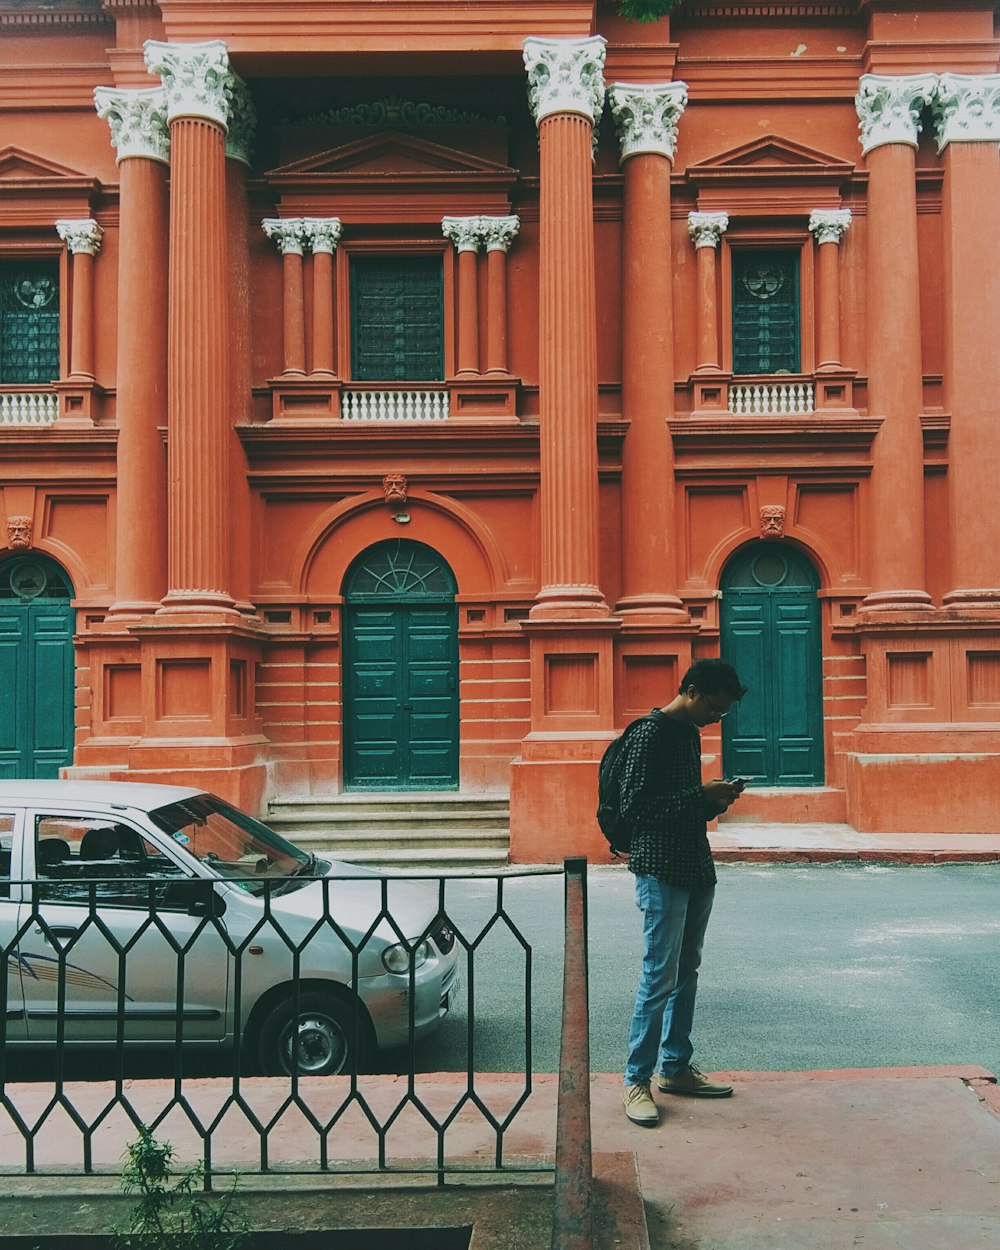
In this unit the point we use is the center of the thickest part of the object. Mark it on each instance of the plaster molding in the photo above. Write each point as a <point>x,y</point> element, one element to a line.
<point>289,232</point>
<point>196,78</point>
<point>242,121</point>
<point>138,121</point>
<point>967,109</point>
<point>323,233</point>
<point>707,229</point>
<point>499,232</point>
<point>889,107</point>
<point>646,116</point>
<point>829,225</point>
<point>82,235</point>
<point>464,232</point>
<point>565,76</point>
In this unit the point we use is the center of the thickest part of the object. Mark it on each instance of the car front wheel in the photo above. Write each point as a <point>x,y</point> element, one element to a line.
<point>330,1038</point>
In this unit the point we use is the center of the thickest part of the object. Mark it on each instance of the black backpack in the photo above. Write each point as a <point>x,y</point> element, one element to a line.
<point>609,815</point>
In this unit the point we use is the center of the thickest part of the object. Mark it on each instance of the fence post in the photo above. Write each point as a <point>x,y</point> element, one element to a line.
<point>572,1216</point>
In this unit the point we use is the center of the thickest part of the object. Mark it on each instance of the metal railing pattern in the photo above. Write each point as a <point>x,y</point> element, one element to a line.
<point>323,1104</point>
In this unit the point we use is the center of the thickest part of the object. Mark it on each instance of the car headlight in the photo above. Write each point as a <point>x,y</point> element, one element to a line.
<point>397,958</point>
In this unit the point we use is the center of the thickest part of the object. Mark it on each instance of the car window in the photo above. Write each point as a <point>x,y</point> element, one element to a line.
<point>6,842</point>
<point>85,857</point>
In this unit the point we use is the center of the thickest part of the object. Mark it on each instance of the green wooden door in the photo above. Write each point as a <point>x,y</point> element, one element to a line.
<point>36,669</point>
<point>771,634</point>
<point>401,723</point>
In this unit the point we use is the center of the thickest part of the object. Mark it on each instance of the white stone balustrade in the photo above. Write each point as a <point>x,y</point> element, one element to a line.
<point>404,405</point>
<point>28,407</point>
<point>772,399</point>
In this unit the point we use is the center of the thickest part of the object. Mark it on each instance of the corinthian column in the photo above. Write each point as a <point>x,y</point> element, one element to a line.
<point>566,94</point>
<point>889,108</point>
<point>139,132</point>
<point>498,233</point>
<point>290,234</point>
<point>706,231</point>
<point>197,82</point>
<point>466,235</point>
<point>828,227</point>
<point>967,109</point>
<point>83,238</point>
<point>323,234</point>
<point>647,117</point>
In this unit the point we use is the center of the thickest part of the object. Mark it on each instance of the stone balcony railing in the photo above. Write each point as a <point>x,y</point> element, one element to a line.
<point>22,407</point>
<point>394,405</point>
<point>771,398</point>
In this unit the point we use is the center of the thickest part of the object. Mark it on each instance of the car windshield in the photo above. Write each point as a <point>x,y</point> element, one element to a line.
<point>231,843</point>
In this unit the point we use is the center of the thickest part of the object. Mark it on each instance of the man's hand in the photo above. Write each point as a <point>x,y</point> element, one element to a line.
<point>722,793</point>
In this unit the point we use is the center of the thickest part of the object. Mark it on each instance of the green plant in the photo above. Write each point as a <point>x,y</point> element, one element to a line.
<point>646,10</point>
<point>171,1212</point>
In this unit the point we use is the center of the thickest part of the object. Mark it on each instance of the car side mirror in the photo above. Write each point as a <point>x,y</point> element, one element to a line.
<point>195,896</point>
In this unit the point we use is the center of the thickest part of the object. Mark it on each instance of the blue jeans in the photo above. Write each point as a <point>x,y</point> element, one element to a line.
<point>674,924</point>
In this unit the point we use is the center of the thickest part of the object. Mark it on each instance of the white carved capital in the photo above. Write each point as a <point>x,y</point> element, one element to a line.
<point>83,235</point>
<point>706,229</point>
<point>242,121</point>
<point>646,115</point>
<point>196,78</point>
<point>138,121</point>
<point>889,107</point>
<point>565,76</point>
<point>290,233</point>
<point>829,225</point>
<point>464,232</point>
<point>967,109</point>
<point>498,232</point>
<point>322,233</point>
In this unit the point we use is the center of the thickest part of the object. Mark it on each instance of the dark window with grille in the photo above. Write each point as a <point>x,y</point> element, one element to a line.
<point>29,321</point>
<point>397,319</point>
<point>765,311</point>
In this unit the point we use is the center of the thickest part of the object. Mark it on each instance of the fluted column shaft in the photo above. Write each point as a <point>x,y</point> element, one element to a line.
<point>468,310</point>
<point>828,227</point>
<point>241,380</point>
<point>322,331</point>
<point>83,238</point>
<point>496,314</point>
<point>294,312</point>
<point>708,333</point>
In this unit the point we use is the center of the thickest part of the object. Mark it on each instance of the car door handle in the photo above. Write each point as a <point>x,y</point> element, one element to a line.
<point>59,931</point>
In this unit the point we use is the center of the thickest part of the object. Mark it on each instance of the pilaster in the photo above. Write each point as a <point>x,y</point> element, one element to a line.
<point>323,234</point>
<point>466,234</point>
<point>83,239</point>
<point>290,235</point>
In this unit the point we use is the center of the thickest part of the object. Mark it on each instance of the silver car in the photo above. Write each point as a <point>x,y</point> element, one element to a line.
<point>164,916</point>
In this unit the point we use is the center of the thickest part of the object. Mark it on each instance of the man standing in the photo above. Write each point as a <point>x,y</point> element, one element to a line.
<point>667,808</point>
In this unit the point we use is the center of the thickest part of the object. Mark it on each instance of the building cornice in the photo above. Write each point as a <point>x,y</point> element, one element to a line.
<point>78,14</point>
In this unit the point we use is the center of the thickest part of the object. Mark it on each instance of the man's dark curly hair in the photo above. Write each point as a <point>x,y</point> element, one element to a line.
<point>713,677</point>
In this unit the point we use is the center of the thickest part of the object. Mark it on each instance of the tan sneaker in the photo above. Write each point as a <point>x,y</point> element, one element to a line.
<point>694,1082</point>
<point>639,1105</point>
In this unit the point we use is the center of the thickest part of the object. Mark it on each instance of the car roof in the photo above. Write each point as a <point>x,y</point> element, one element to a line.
<point>138,794</point>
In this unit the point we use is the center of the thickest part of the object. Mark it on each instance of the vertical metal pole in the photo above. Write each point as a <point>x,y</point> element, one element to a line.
<point>572,1217</point>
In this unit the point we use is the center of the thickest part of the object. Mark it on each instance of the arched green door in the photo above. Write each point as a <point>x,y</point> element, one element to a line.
<point>36,668</point>
<point>771,634</point>
<point>401,724</point>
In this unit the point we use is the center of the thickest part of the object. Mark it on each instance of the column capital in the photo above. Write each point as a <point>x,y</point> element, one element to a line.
<point>829,225</point>
<point>196,78</point>
<point>966,109</point>
<point>889,107</point>
<point>290,233</point>
<point>646,116</point>
<point>565,76</point>
<point>83,235</point>
<point>464,232</point>
<point>322,233</point>
<point>242,121</point>
<point>138,121</point>
<point>498,232</point>
<point>707,229</point>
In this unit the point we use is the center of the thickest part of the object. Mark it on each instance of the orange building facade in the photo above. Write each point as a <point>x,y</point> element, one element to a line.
<point>398,397</point>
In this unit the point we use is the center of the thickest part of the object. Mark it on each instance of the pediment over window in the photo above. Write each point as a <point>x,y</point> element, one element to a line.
<point>379,176</point>
<point>35,191</point>
<point>768,175</point>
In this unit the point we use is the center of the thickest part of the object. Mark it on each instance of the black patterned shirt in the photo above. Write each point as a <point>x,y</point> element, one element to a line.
<point>663,802</point>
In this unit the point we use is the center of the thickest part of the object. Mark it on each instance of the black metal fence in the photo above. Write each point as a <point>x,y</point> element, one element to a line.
<point>265,1026</point>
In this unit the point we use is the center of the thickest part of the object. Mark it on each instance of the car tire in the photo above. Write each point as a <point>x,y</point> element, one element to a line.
<point>332,1040</point>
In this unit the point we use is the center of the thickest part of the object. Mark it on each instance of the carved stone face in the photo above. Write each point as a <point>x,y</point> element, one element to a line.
<point>394,486</point>
<point>772,521</point>
<point>19,532</point>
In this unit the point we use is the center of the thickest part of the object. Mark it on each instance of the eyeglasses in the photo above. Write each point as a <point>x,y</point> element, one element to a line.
<point>716,711</point>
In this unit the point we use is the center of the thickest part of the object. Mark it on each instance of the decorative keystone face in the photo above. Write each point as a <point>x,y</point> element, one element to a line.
<point>196,78</point>
<point>646,116</point>
<point>967,109</point>
<point>772,521</point>
<point>138,121</point>
<point>290,233</point>
<point>464,232</point>
<point>323,233</point>
<point>81,236</point>
<point>394,487</point>
<point>706,229</point>
<point>829,225</point>
<point>889,107</point>
<point>565,76</point>
<point>242,121</point>
<point>498,232</point>
<point>19,532</point>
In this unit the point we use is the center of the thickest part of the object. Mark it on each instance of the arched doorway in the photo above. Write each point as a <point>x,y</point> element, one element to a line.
<point>36,668</point>
<point>401,723</point>
<point>771,634</point>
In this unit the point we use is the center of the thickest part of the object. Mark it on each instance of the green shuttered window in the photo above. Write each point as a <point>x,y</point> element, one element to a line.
<point>766,311</point>
<point>29,321</point>
<point>397,319</point>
